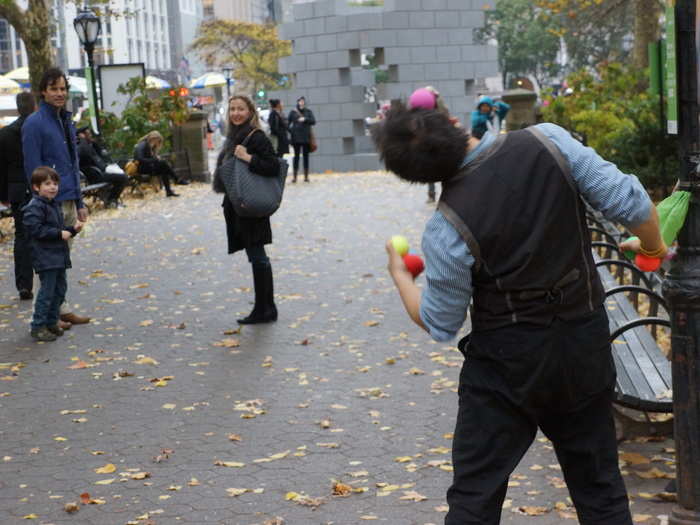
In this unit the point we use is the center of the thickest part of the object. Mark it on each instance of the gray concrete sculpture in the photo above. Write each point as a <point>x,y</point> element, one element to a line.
<point>418,42</point>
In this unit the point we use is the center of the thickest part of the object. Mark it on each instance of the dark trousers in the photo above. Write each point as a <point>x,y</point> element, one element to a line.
<point>558,378</point>
<point>300,149</point>
<point>118,182</point>
<point>163,170</point>
<point>52,292</point>
<point>24,275</point>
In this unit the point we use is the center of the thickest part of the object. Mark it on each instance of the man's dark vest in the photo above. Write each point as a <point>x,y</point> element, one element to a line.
<point>521,215</point>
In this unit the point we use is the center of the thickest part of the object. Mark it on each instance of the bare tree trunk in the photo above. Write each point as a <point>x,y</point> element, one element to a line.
<point>647,14</point>
<point>37,40</point>
<point>32,26</point>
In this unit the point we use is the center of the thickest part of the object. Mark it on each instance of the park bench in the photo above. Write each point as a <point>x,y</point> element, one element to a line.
<point>180,162</point>
<point>643,369</point>
<point>97,191</point>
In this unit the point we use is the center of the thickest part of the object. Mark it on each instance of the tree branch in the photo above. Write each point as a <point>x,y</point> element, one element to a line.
<point>10,11</point>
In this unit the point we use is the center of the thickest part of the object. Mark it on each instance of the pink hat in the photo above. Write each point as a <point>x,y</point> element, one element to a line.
<point>422,98</point>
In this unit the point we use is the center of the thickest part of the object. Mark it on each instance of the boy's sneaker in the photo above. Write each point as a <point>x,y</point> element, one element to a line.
<point>55,329</point>
<point>43,334</point>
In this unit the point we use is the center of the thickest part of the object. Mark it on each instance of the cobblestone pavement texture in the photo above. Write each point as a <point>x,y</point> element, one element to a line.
<point>343,388</point>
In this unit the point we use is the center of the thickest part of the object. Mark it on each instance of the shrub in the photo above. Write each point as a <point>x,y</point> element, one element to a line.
<point>620,120</point>
<point>146,110</point>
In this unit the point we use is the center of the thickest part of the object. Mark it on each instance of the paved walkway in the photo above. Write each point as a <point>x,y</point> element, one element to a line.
<point>161,412</point>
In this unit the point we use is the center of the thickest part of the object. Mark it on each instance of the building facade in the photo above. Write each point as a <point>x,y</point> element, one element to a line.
<point>413,43</point>
<point>155,32</point>
<point>256,11</point>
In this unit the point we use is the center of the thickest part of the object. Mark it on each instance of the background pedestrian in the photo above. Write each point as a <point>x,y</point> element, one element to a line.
<point>301,119</point>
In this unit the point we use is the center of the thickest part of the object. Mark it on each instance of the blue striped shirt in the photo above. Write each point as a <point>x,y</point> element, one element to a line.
<point>445,300</point>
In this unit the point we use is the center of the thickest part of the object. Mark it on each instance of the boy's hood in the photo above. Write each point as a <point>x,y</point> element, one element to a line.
<point>484,100</point>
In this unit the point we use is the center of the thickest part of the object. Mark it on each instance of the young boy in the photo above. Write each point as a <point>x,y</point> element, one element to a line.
<point>43,220</point>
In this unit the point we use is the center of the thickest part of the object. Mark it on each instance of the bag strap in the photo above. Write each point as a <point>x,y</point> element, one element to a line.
<point>245,140</point>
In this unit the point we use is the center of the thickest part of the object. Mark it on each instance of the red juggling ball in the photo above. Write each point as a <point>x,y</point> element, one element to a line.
<point>414,264</point>
<point>647,264</point>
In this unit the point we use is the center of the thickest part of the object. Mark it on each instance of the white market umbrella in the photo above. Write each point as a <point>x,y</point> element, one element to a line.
<point>9,86</point>
<point>208,80</point>
<point>78,85</point>
<point>21,75</point>
<point>156,83</point>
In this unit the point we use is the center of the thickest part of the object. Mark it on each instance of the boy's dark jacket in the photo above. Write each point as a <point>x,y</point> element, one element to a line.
<point>43,220</point>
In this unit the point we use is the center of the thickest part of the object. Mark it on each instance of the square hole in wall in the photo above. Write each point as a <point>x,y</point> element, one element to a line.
<point>345,77</point>
<point>393,73</point>
<point>470,87</point>
<point>379,56</point>
<point>358,127</point>
<point>355,57</point>
<point>348,145</point>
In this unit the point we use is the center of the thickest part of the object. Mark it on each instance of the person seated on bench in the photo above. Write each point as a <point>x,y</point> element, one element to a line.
<point>146,153</point>
<point>96,165</point>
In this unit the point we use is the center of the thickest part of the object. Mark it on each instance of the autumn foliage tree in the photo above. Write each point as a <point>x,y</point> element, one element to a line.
<point>528,43</point>
<point>598,27</point>
<point>251,49</point>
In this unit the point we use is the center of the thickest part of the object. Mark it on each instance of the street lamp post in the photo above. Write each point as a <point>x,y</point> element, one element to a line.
<point>227,75</point>
<point>682,284</point>
<point>88,26</point>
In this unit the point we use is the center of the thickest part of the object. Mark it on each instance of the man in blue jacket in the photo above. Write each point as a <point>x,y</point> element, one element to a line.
<point>49,139</point>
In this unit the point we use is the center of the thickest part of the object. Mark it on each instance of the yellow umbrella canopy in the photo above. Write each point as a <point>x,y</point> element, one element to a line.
<point>9,86</point>
<point>21,74</point>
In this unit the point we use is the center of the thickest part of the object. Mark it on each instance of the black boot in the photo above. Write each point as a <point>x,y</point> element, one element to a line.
<point>264,310</point>
<point>294,179</point>
<point>306,175</point>
<point>166,183</point>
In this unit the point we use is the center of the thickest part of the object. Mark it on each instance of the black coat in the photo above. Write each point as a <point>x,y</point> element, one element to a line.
<point>301,131</point>
<point>43,222</point>
<point>93,160</point>
<point>278,128</point>
<point>245,232</point>
<point>14,186</point>
<point>147,160</point>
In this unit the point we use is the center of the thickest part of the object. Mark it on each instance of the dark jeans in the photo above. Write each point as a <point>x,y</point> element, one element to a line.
<point>118,182</point>
<point>24,274</point>
<point>558,378</point>
<point>160,168</point>
<point>257,256</point>
<point>52,292</point>
<point>300,149</point>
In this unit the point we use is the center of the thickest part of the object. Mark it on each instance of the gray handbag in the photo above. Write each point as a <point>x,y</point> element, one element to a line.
<point>252,195</point>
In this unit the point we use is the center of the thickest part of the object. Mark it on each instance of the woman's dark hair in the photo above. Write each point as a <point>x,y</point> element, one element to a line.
<point>50,77</point>
<point>420,145</point>
<point>44,173</point>
<point>274,102</point>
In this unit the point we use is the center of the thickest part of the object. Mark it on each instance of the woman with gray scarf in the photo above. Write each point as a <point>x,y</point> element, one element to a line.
<point>247,142</point>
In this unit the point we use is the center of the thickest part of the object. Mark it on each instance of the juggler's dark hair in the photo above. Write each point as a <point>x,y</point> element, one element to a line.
<point>420,145</point>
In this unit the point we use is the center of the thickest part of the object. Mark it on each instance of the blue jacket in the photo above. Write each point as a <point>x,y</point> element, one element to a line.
<point>48,140</point>
<point>480,120</point>
<point>43,221</point>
